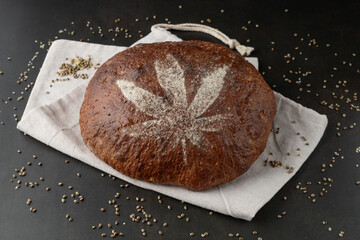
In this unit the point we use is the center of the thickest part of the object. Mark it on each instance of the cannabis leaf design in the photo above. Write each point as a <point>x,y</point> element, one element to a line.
<point>179,121</point>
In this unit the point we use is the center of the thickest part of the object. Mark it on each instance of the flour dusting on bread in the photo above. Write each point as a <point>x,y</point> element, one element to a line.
<point>179,120</point>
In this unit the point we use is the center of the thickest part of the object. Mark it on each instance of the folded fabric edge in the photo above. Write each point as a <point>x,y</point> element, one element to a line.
<point>314,118</point>
<point>258,208</point>
<point>323,117</point>
<point>67,41</point>
<point>151,37</point>
<point>22,123</point>
<point>322,123</point>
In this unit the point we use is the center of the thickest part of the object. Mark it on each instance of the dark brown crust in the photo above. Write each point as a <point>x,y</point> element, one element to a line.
<point>245,94</point>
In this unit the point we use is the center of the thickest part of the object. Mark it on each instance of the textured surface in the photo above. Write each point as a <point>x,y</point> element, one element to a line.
<point>193,114</point>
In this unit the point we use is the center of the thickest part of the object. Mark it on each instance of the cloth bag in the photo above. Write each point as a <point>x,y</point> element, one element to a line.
<point>53,118</point>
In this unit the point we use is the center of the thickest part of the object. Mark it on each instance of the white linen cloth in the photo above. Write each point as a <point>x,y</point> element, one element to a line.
<point>54,120</point>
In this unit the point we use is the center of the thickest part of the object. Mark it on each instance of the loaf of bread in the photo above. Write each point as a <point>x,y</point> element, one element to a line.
<point>192,114</point>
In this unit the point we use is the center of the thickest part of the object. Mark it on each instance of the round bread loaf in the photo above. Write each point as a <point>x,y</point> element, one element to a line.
<point>192,114</point>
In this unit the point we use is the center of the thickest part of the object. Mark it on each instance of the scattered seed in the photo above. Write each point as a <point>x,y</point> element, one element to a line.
<point>32,209</point>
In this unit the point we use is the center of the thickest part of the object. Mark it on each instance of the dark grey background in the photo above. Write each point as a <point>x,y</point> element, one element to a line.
<point>333,22</point>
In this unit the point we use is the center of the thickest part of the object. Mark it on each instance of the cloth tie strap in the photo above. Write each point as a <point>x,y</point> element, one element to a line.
<point>233,43</point>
